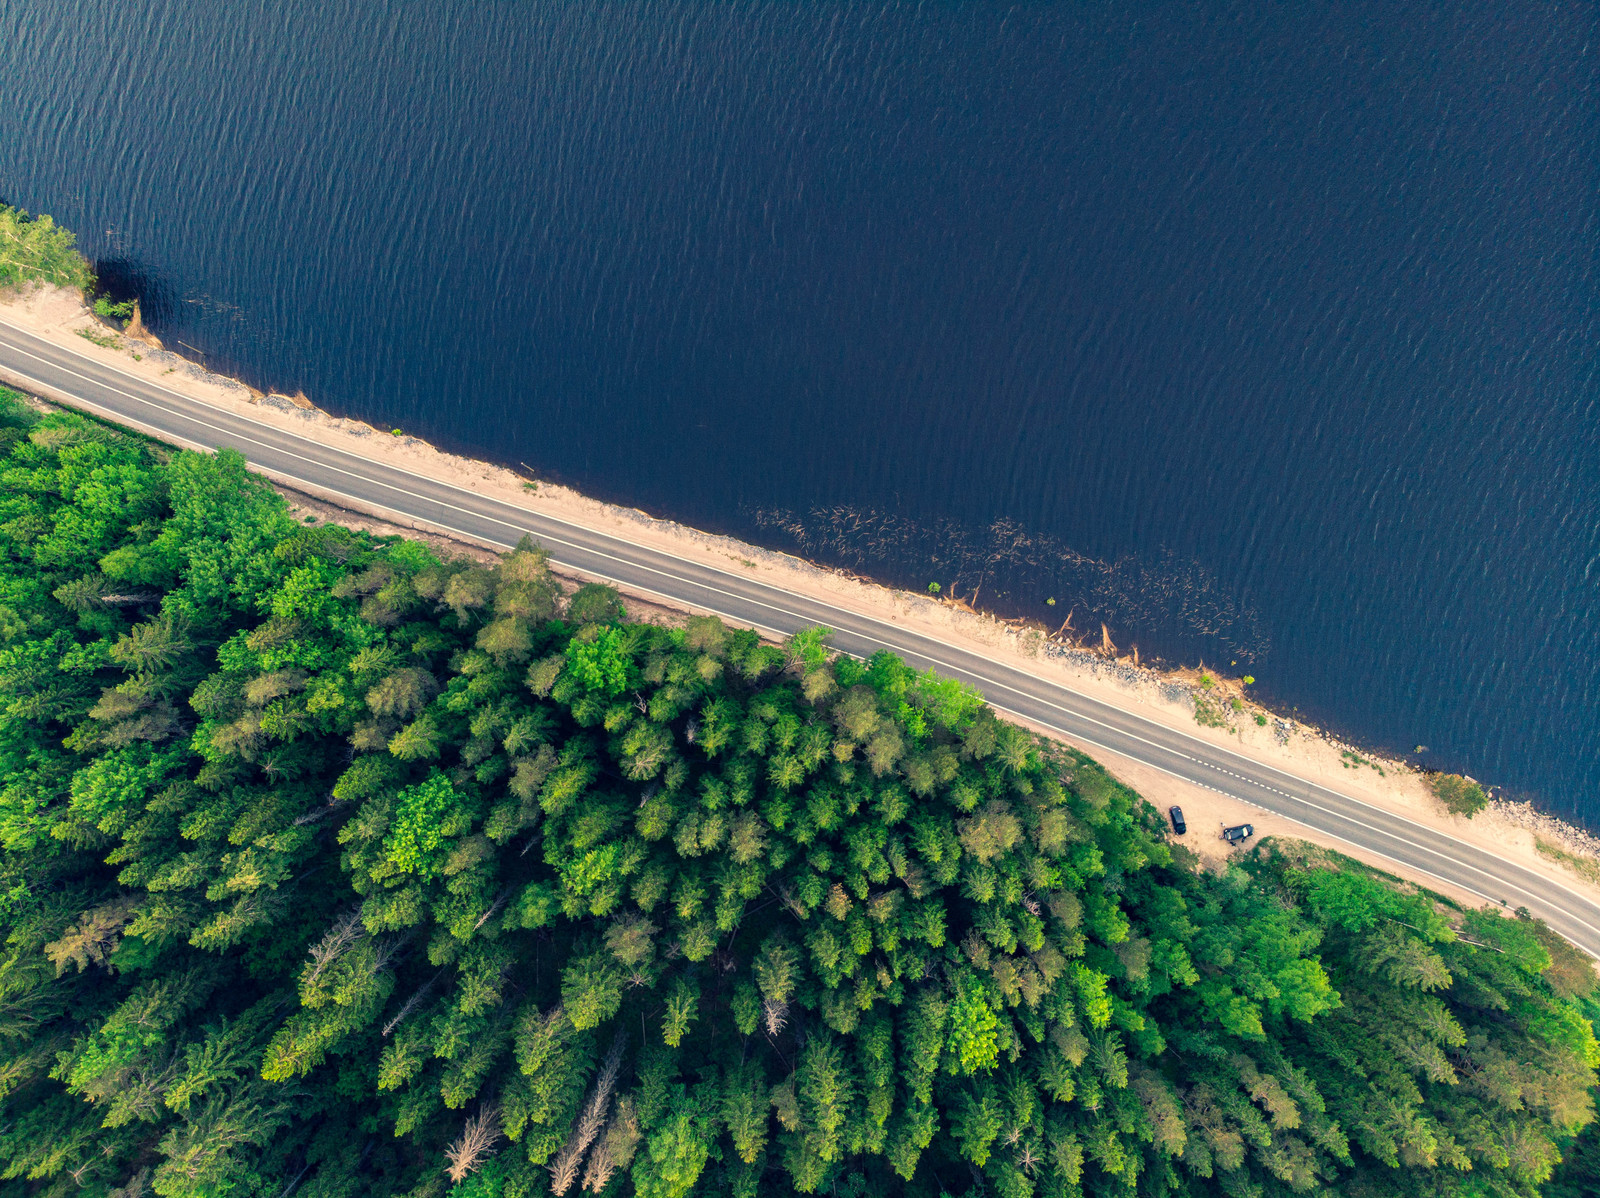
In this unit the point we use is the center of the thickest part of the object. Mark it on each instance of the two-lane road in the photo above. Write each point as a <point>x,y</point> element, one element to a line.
<point>73,378</point>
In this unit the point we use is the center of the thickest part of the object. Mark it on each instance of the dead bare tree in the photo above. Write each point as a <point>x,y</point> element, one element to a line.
<point>616,1148</point>
<point>564,1169</point>
<point>469,1151</point>
<point>500,901</point>
<point>340,939</point>
<point>411,1004</point>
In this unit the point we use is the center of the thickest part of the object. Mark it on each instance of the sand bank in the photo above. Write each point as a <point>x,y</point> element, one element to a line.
<point>1230,719</point>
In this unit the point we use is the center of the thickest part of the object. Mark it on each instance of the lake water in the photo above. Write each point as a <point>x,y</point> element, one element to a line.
<point>1264,332</point>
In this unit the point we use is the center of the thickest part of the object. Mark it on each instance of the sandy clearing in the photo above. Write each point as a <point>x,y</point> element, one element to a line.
<point>1169,699</point>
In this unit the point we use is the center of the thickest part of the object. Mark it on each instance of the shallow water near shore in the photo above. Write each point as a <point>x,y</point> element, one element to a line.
<point>1264,336</point>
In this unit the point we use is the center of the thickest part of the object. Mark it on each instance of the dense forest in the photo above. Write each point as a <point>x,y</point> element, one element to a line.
<point>328,867</point>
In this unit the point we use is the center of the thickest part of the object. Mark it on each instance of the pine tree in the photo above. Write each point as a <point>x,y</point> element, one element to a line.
<point>329,867</point>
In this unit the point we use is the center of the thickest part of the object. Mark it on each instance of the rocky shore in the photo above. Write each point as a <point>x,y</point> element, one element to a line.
<point>1547,827</point>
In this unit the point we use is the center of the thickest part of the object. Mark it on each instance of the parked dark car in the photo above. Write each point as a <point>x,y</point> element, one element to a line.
<point>1237,833</point>
<point>1176,815</point>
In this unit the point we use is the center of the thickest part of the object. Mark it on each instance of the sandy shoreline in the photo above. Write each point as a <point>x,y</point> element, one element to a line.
<point>1512,831</point>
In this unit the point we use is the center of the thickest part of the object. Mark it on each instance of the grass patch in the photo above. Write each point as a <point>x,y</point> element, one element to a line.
<point>1586,868</point>
<point>104,340</point>
<point>1460,796</point>
<point>1207,714</point>
<point>1354,761</point>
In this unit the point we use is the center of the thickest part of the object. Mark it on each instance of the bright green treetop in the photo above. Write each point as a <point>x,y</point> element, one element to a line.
<point>329,867</point>
<point>34,249</point>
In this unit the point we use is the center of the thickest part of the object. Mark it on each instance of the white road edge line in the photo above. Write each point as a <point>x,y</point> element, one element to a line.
<point>930,657</point>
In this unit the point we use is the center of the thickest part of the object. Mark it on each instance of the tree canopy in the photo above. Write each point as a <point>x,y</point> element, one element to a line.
<point>34,249</point>
<point>329,867</point>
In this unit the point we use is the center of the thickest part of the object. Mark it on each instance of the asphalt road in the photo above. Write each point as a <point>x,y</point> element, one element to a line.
<point>72,378</point>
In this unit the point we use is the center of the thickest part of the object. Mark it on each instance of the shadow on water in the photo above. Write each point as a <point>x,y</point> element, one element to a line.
<point>128,279</point>
<point>172,314</point>
<point>1013,570</point>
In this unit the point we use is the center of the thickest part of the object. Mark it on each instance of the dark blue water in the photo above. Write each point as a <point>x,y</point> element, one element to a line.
<point>1266,332</point>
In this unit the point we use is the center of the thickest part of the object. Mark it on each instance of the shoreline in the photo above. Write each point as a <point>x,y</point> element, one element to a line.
<point>1220,712</point>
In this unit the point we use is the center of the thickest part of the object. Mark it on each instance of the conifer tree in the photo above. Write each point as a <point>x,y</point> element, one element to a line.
<point>330,867</point>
